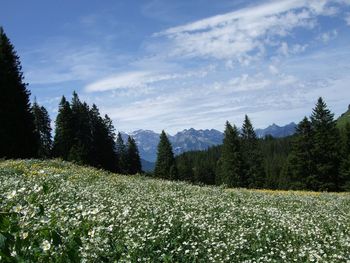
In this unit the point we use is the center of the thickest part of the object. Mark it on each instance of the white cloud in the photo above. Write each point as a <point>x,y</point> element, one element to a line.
<point>347,18</point>
<point>328,36</point>
<point>59,62</point>
<point>273,70</point>
<point>287,50</point>
<point>141,79</point>
<point>244,34</point>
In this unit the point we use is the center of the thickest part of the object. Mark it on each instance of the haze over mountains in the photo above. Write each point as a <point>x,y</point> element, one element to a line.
<point>193,140</point>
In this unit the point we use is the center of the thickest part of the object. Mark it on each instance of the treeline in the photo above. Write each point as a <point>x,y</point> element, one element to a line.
<point>82,135</point>
<point>316,158</point>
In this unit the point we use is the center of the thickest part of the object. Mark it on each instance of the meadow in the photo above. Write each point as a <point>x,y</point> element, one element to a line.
<point>55,211</point>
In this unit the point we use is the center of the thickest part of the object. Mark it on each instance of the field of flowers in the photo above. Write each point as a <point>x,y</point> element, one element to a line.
<point>54,211</point>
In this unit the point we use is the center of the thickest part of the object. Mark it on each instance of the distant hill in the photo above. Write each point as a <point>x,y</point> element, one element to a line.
<point>344,119</point>
<point>147,166</point>
<point>192,140</point>
<point>186,140</point>
<point>277,131</point>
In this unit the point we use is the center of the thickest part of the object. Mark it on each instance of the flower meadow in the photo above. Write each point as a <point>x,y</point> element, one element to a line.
<point>54,211</point>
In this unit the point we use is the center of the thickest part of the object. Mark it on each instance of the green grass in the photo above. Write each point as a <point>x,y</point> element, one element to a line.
<point>53,211</point>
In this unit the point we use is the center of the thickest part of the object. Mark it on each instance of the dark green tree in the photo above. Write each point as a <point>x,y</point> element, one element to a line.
<point>102,150</point>
<point>113,158</point>
<point>325,150</point>
<point>133,157</point>
<point>253,169</point>
<point>17,131</point>
<point>121,152</point>
<point>82,130</point>
<point>299,170</point>
<point>230,166</point>
<point>42,124</point>
<point>64,130</point>
<point>165,164</point>
<point>344,180</point>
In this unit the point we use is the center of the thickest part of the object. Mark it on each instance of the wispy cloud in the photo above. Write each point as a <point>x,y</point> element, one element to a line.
<point>347,18</point>
<point>59,60</point>
<point>328,36</point>
<point>140,79</point>
<point>246,33</point>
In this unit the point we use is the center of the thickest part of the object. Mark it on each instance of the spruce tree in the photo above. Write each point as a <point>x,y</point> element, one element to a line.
<point>82,139</point>
<point>17,131</point>
<point>344,180</point>
<point>42,124</point>
<point>133,157</point>
<point>230,165</point>
<point>111,144</point>
<point>325,150</point>
<point>121,152</point>
<point>300,167</point>
<point>165,164</point>
<point>253,169</point>
<point>102,151</point>
<point>64,134</point>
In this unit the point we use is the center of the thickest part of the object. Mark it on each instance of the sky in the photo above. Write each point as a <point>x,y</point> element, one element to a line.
<point>174,65</point>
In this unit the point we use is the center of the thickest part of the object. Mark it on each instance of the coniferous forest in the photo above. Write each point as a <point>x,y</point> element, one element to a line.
<point>316,157</point>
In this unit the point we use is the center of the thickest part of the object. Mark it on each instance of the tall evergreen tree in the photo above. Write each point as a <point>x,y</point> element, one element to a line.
<point>64,130</point>
<point>110,140</point>
<point>133,157</point>
<point>43,129</point>
<point>82,130</point>
<point>165,164</point>
<point>17,131</point>
<point>326,147</point>
<point>253,169</point>
<point>102,150</point>
<point>230,166</point>
<point>344,180</point>
<point>300,169</point>
<point>121,152</point>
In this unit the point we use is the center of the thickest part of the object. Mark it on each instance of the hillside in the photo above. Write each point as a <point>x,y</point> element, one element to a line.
<point>344,119</point>
<point>53,211</point>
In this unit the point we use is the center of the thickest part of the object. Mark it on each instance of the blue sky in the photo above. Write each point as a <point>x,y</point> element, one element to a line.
<point>164,64</point>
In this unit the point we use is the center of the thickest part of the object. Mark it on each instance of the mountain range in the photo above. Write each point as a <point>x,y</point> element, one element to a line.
<point>192,140</point>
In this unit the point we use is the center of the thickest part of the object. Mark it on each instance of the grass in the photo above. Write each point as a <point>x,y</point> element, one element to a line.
<point>54,211</point>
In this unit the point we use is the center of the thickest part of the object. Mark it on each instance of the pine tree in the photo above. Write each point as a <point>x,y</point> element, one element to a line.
<point>64,133</point>
<point>253,169</point>
<point>344,180</point>
<point>111,144</point>
<point>102,150</point>
<point>325,150</point>
<point>82,130</point>
<point>42,124</point>
<point>300,167</point>
<point>165,164</point>
<point>230,165</point>
<point>133,157</point>
<point>17,131</point>
<point>121,152</point>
